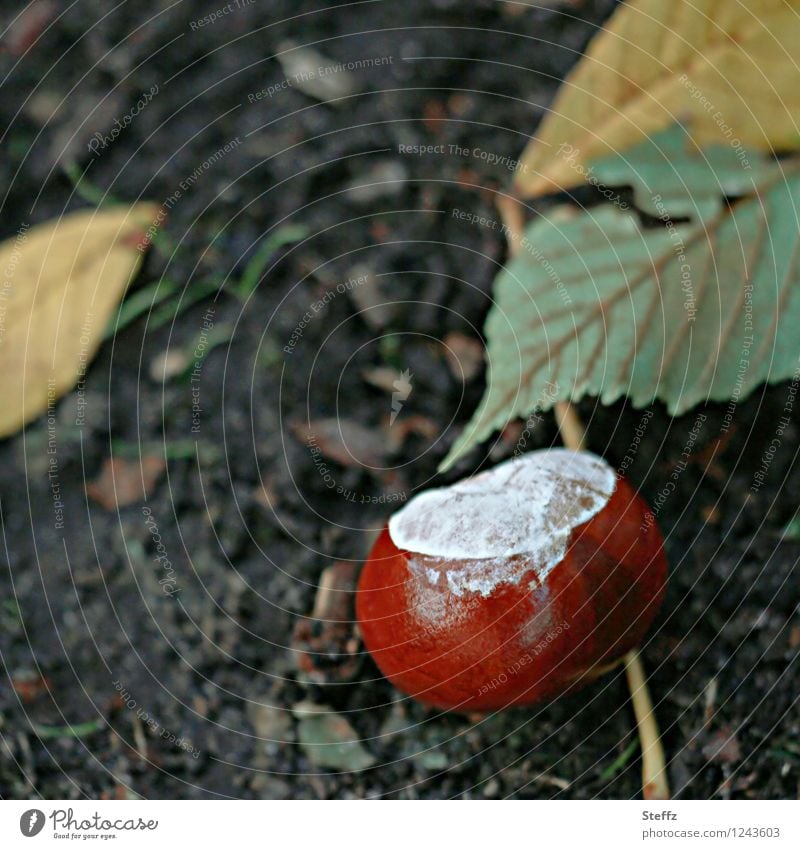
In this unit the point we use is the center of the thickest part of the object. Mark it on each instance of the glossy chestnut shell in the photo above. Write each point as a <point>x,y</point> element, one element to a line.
<point>528,640</point>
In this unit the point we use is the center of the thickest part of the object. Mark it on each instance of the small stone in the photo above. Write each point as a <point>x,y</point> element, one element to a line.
<point>315,74</point>
<point>384,179</point>
<point>329,741</point>
<point>270,722</point>
<point>168,364</point>
<point>368,298</point>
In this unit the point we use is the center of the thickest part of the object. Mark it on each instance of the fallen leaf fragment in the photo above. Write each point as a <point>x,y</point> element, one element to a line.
<point>464,355</point>
<point>270,722</point>
<point>382,377</point>
<point>125,482</point>
<point>723,747</point>
<point>365,291</point>
<point>398,433</point>
<point>342,440</point>
<point>61,282</point>
<point>26,26</point>
<point>30,686</point>
<point>325,645</point>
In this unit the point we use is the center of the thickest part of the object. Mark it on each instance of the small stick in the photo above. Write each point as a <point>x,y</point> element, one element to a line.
<point>654,770</point>
<point>573,435</point>
<point>570,426</point>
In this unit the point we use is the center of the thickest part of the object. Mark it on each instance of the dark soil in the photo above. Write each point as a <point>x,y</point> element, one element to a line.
<point>244,511</point>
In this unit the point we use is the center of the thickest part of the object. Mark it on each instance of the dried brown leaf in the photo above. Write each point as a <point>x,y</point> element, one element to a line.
<point>343,440</point>
<point>464,355</point>
<point>124,482</point>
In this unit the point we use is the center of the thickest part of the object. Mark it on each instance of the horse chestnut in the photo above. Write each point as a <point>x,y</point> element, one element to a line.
<point>514,586</point>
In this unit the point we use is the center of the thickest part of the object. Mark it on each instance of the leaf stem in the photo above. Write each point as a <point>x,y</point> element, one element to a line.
<point>512,217</point>
<point>654,770</point>
<point>570,426</point>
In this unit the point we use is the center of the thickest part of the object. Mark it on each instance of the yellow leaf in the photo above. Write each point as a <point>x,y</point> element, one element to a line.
<point>723,67</point>
<point>60,283</point>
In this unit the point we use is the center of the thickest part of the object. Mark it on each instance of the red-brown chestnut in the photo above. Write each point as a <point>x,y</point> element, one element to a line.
<point>514,586</point>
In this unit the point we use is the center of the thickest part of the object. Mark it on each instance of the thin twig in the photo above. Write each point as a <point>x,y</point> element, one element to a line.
<point>570,426</point>
<point>654,770</point>
<point>654,774</point>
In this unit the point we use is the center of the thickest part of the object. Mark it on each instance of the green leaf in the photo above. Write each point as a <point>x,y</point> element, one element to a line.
<point>81,729</point>
<point>670,175</point>
<point>138,303</point>
<point>286,235</point>
<point>596,304</point>
<point>620,763</point>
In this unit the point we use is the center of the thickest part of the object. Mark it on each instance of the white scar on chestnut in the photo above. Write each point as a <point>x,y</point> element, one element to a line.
<point>505,522</point>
